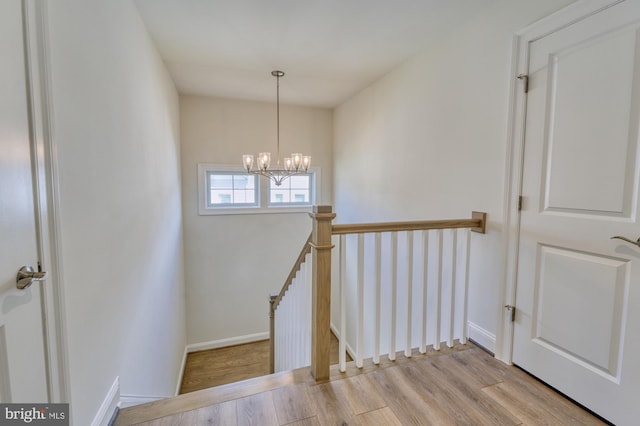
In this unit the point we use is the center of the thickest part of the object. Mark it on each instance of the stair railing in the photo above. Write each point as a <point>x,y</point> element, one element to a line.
<point>402,297</point>
<point>352,281</point>
<point>290,328</point>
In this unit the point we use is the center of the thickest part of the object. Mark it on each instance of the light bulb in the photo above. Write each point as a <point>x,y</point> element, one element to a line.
<point>247,159</point>
<point>264,160</point>
<point>306,162</point>
<point>297,160</point>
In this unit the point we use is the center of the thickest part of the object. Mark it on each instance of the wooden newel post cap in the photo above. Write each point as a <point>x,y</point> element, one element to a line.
<point>322,209</point>
<point>322,213</point>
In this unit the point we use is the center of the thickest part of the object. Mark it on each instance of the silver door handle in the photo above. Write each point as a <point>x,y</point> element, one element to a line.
<point>635,243</point>
<point>27,275</point>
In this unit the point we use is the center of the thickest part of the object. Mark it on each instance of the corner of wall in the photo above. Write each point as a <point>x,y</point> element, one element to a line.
<point>181,372</point>
<point>109,405</point>
<point>349,349</point>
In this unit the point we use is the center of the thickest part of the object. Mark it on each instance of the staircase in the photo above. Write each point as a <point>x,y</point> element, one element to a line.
<point>392,315</point>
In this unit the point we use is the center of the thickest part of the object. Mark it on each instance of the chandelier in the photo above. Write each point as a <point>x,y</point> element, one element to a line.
<point>295,164</point>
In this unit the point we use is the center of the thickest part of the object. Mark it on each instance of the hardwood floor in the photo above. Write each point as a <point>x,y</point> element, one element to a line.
<point>215,367</point>
<point>463,386</point>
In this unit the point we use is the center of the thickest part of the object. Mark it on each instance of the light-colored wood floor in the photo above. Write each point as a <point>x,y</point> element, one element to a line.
<point>215,367</point>
<point>463,386</point>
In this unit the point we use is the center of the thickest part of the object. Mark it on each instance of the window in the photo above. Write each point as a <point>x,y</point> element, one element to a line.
<point>230,190</point>
<point>294,191</point>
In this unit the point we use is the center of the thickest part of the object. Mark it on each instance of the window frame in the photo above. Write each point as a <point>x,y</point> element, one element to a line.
<point>210,205</point>
<point>292,205</point>
<point>263,195</point>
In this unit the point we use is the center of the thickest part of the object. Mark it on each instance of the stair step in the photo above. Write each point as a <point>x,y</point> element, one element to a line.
<point>205,397</point>
<point>223,393</point>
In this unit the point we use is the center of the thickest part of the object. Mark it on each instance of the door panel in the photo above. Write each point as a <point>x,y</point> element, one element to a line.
<point>22,362</point>
<point>576,98</point>
<point>578,292</point>
<point>564,317</point>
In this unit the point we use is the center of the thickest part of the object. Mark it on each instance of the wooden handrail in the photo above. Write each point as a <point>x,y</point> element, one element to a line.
<point>306,249</point>
<point>477,224</point>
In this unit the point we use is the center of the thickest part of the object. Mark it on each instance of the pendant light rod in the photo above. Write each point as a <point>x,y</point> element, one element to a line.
<point>277,74</point>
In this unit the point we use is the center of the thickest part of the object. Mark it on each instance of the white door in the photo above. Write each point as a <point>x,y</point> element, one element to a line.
<point>22,361</point>
<point>578,290</point>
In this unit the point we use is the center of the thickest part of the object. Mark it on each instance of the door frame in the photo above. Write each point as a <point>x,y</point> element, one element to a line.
<point>46,195</point>
<point>515,153</point>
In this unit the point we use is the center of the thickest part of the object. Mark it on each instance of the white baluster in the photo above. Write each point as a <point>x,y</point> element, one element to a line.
<point>276,339</point>
<point>291,304</point>
<point>302,318</point>
<point>307,304</point>
<point>463,335</point>
<point>281,335</point>
<point>436,343</point>
<point>378,255</point>
<point>289,326</point>
<point>394,293</point>
<point>281,332</point>
<point>298,318</point>
<point>425,280</point>
<point>285,325</point>
<point>360,292</point>
<point>452,307</point>
<point>342,350</point>
<point>283,339</point>
<point>281,324</point>
<point>407,351</point>
<point>290,320</point>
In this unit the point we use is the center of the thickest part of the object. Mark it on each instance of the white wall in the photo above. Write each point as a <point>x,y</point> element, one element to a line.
<point>117,133</point>
<point>429,141</point>
<point>234,262</point>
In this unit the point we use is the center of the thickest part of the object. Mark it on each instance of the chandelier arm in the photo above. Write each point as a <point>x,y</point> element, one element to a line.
<point>276,175</point>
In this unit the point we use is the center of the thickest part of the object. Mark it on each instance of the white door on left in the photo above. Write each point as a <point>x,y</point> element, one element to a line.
<point>22,355</point>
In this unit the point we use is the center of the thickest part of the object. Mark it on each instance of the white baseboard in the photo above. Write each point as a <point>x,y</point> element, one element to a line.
<point>231,341</point>
<point>109,405</point>
<point>347,346</point>
<point>482,337</point>
<point>181,372</point>
<point>131,400</point>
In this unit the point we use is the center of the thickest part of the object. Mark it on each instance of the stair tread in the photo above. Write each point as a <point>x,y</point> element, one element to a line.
<point>223,393</point>
<point>215,395</point>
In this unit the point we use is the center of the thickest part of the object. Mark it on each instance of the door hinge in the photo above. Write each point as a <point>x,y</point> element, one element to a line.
<point>525,80</point>
<point>520,203</point>
<point>512,311</point>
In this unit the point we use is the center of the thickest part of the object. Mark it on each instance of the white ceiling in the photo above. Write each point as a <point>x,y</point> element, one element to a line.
<point>329,49</point>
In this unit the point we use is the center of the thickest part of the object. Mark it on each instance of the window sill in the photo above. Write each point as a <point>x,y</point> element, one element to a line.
<point>258,210</point>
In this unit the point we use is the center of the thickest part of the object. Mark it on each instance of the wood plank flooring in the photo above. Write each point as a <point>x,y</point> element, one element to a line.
<point>454,386</point>
<point>215,367</point>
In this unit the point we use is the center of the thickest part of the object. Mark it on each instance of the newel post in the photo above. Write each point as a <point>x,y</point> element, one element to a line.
<point>272,332</point>
<point>321,291</point>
